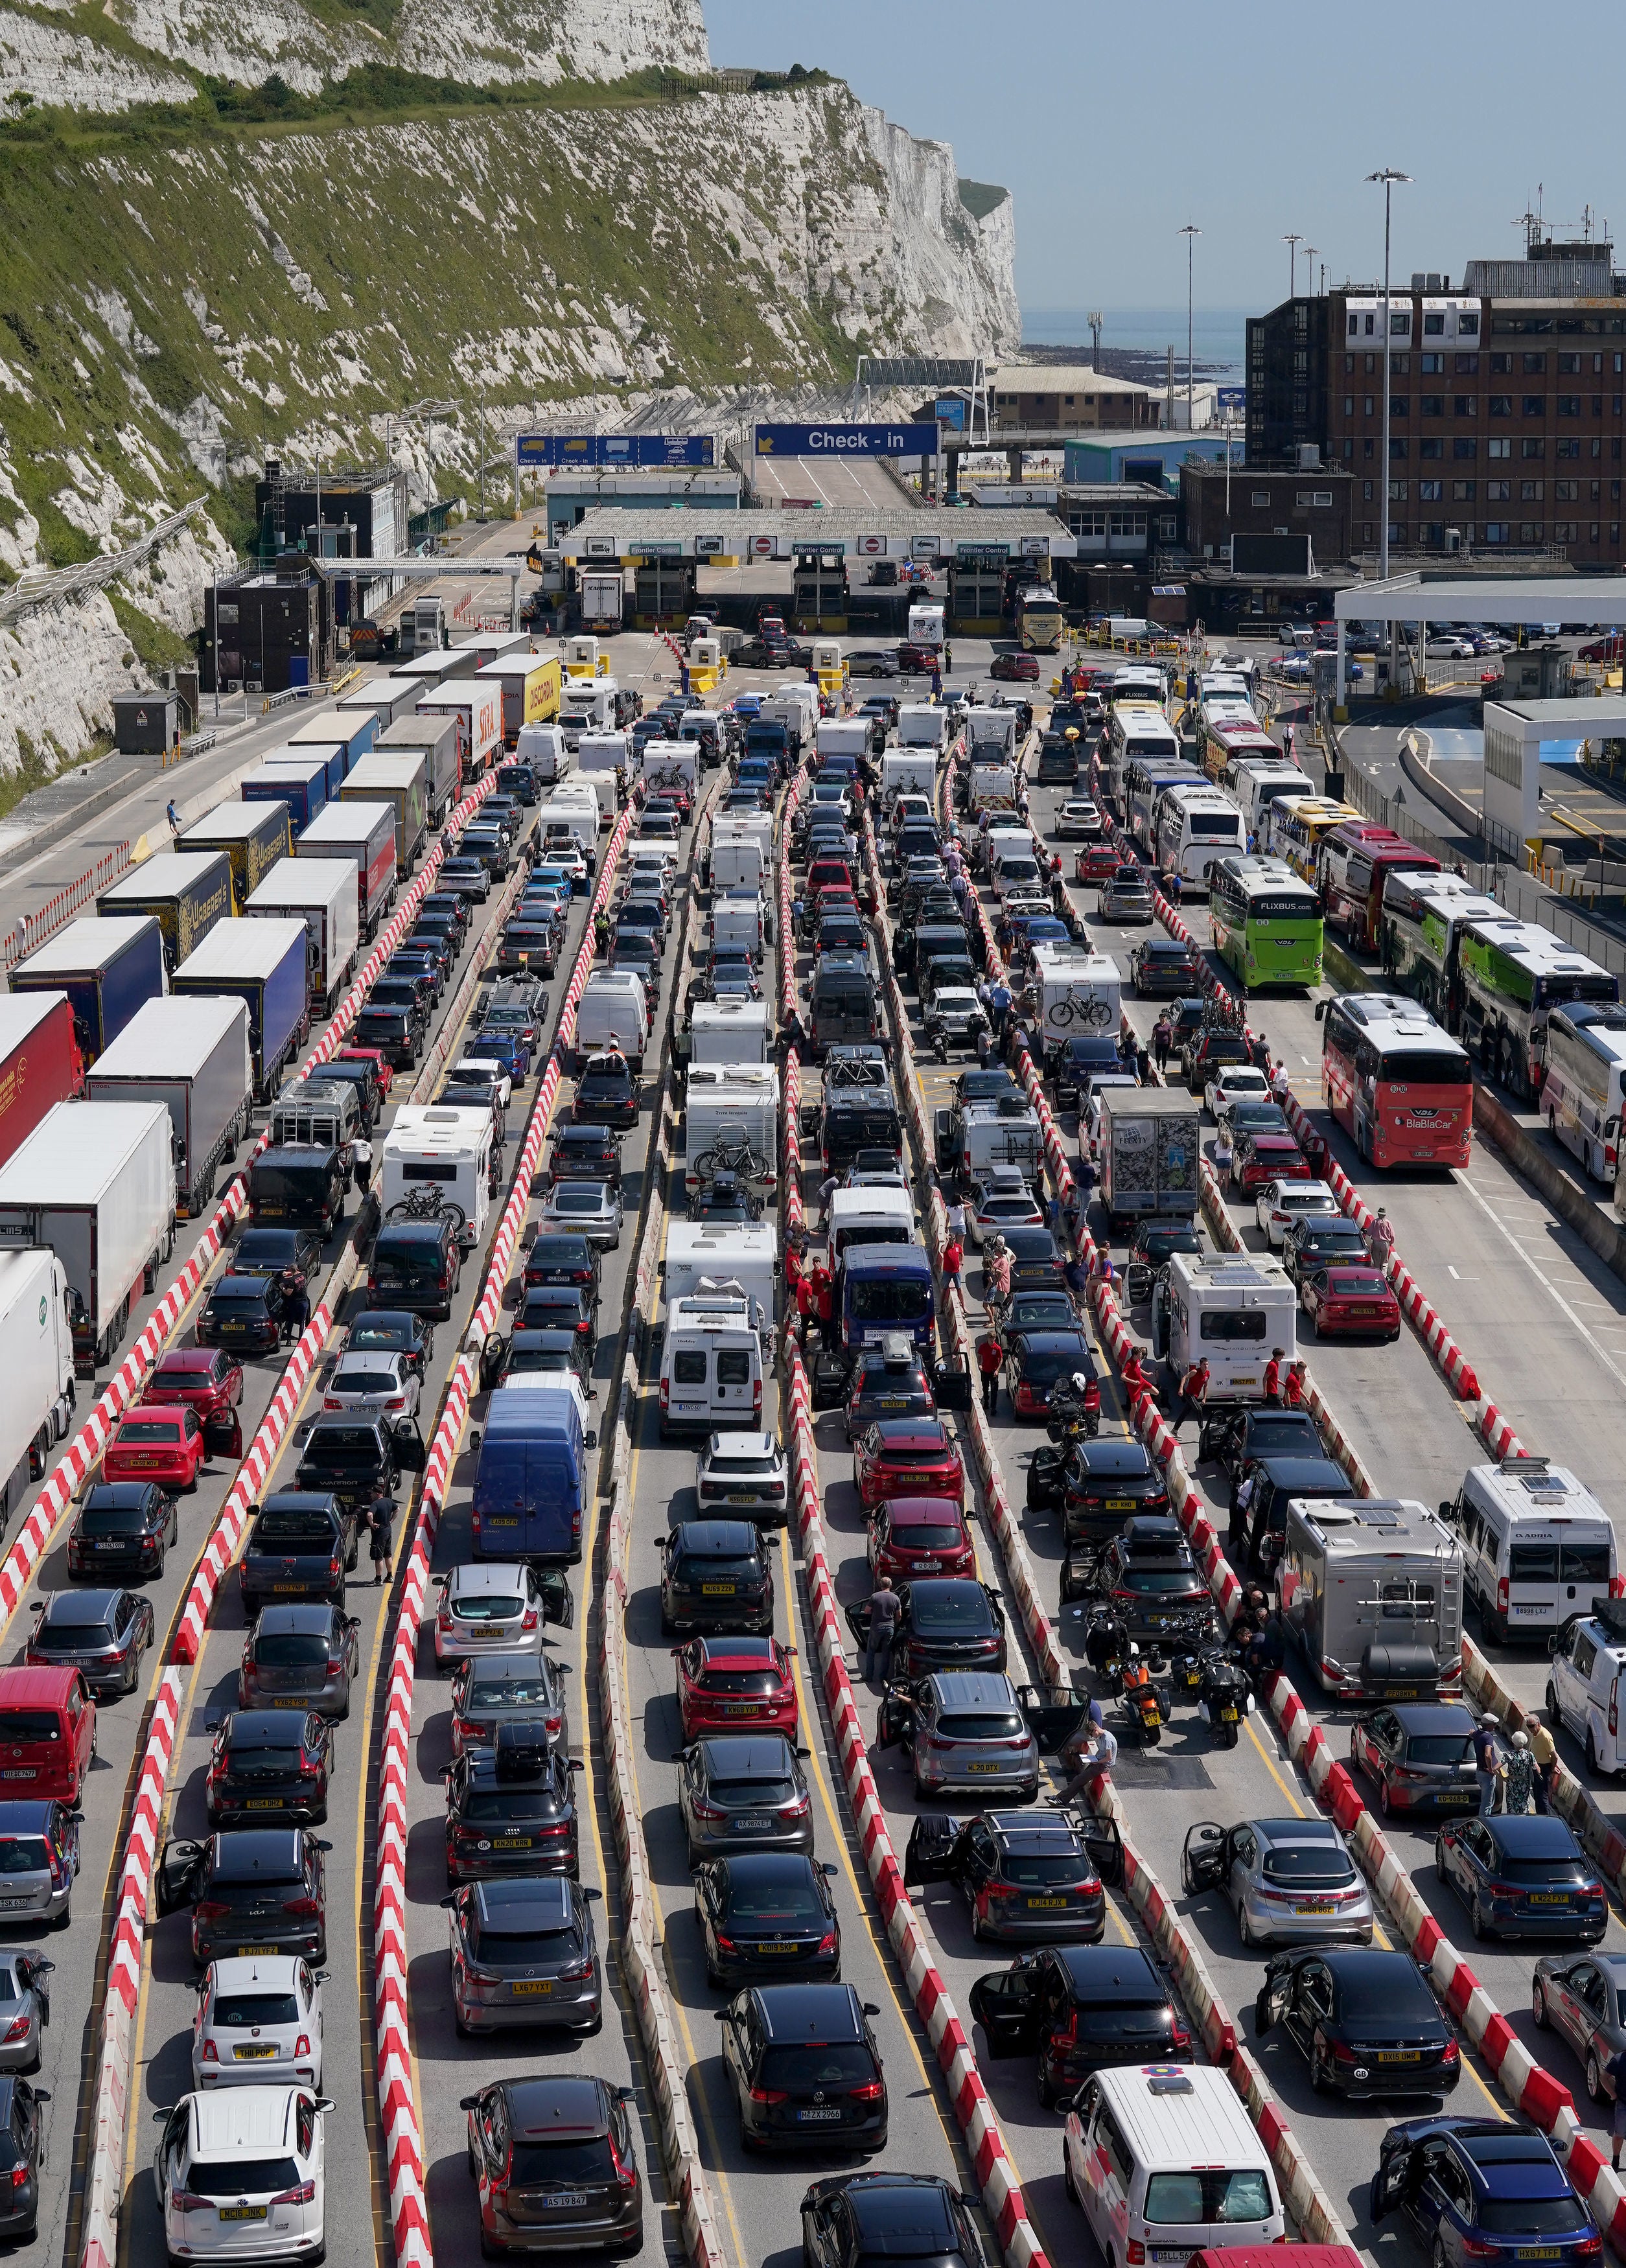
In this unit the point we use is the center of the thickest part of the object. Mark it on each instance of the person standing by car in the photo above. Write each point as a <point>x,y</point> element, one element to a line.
<point>1615,2072</point>
<point>1162,1040</point>
<point>1273,1378</point>
<point>296,1305</point>
<point>953,1257</point>
<point>883,1624</point>
<point>990,1355</point>
<point>824,1292</point>
<point>380,1521</point>
<point>1488,1765</point>
<point>1546,1756</point>
<point>1518,1777</point>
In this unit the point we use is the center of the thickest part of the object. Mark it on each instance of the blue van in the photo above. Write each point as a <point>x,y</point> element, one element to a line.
<point>886,1288</point>
<point>530,1482</point>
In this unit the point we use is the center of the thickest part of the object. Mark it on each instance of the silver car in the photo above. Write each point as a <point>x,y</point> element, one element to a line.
<point>1289,1881</point>
<point>25,2008</point>
<point>1582,1996</point>
<point>524,1954</point>
<point>497,1688</point>
<point>39,1859</point>
<point>487,1608</point>
<point>589,1208</point>
<point>373,1380</point>
<point>964,1728</point>
<point>258,2024</point>
<point>743,1792</point>
<point>1124,896</point>
<point>746,1472</point>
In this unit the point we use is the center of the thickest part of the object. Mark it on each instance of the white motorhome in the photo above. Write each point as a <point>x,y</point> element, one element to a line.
<point>745,1252</point>
<point>1371,1588</point>
<point>923,725</point>
<point>796,707</point>
<point>872,1215</point>
<point>843,736</point>
<point>739,921</point>
<point>911,769</point>
<point>990,735</point>
<point>1228,1309</point>
<point>599,757</point>
<point>729,1032</point>
<point>446,1147</point>
<point>742,850</point>
<point>1537,1544</point>
<point>671,763</point>
<point>587,704</point>
<point>728,1104</point>
<point>574,806</point>
<point>1079,994</point>
<point>926,625</point>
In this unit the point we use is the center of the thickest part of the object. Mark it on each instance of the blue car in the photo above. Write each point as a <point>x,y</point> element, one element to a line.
<point>1522,1876</point>
<point>510,1048</point>
<point>1478,2190</point>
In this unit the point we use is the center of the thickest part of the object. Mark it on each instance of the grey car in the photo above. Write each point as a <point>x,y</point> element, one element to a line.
<point>39,1859</point>
<point>744,1792</point>
<point>102,1633</point>
<point>25,2008</point>
<point>306,1656</point>
<point>1124,896</point>
<point>555,2166</point>
<point>589,1208</point>
<point>490,1689</point>
<point>1289,1881</point>
<point>964,1728</point>
<point>525,1955</point>
<point>1582,1996</point>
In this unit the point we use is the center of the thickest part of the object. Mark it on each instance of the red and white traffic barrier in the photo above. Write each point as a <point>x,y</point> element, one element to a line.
<point>33,929</point>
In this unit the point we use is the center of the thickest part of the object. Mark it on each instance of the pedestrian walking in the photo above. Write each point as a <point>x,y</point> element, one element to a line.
<point>1546,1756</point>
<point>824,1292</point>
<point>173,817</point>
<point>955,1214</point>
<point>954,1255</point>
<point>1487,1751</point>
<point>996,1272</point>
<point>1000,1002</point>
<point>827,1188</point>
<point>380,1520</point>
<point>1193,1395</point>
<point>1273,1378</point>
<point>1173,892</point>
<point>937,684</point>
<point>1162,1040</point>
<point>990,1355</point>
<point>361,1164</point>
<point>1295,1385</point>
<point>883,1625</point>
<point>1518,1777</point>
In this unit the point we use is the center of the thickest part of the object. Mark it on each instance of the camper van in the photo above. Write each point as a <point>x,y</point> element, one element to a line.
<point>729,1103</point>
<point>1371,1588</point>
<point>1537,1546</point>
<point>729,1032</point>
<point>871,1215</point>
<point>1229,1309</point>
<point>711,1364</point>
<point>448,1149</point>
<point>700,1252</point>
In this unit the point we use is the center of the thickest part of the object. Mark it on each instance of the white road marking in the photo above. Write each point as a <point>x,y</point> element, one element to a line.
<point>1452,1272</point>
<point>1557,1297</point>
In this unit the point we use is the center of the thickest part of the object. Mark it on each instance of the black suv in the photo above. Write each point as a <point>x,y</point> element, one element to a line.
<point>244,1313</point>
<point>356,1457</point>
<point>1077,2008</point>
<point>510,1809</point>
<point>716,1577</point>
<point>393,1019</point>
<point>416,1264</point>
<point>259,1887</point>
<point>585,1152</point>
<point>607,1093</point>
<point>268,1251</point>
<point>558,1257</point>
<point>805,2069</point>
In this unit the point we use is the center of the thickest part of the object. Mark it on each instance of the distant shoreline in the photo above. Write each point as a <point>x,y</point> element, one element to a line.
<point>1135,340</point>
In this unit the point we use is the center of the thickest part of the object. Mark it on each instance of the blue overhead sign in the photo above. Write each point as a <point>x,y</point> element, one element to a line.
<point>607,451</point>
<point>846,440</point>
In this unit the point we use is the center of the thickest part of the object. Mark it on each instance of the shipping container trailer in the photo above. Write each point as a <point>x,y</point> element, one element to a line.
<point>40,1063</point>
<point>440,739</point>
<point>478,707</point>
<point>365,834</point>
<point>473,653</point>
<point>399,778</point>
<point>266,964</point>
<point>532,684</point>
<point>322,892</point>
<point>328,729</point>
<point>107,966</point>
<point>253,835</point>
<point>187,892</point>
<point>36,1361</point>
<point>191,1053</point>
<point>330,758</point>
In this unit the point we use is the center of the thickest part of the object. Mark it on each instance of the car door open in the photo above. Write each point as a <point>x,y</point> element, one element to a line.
<point>1006,2005</point>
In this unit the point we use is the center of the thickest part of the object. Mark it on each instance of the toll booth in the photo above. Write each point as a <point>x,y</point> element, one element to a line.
<point>818,589</point>
<point>663,590</point>
<point>976,591</point>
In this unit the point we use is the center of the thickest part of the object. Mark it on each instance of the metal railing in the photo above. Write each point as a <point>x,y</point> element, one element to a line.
<point>58,911</point>
<point>1370,800</point>
<point>51,587</point>
<point>1527,898</point>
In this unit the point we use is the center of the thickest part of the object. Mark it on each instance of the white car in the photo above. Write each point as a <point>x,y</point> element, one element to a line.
<point>1280,1204</point>
<point>258,2024</point>
<point>486,1607</point>
<point>1078,820</point>
<point>1449,649</point>
<point>1231,1084</point>
<point>373,1379</point>
<point>589,1208</point>
<point>1101,1082</point>
<point>483,1071</point>
<point>658,862</point>
<point>1003,1200</point>
<point>746,1471</point>
<point>240,2175</point>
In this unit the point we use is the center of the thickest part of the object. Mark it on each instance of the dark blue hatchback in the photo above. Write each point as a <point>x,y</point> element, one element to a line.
<point>1522,1876</point>
<point>1478,2190</point>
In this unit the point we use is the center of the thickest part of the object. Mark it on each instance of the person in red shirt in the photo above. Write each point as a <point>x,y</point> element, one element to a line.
<point>824,1297</point>
<point>1273,1377</point>
<point>990,1356</point>
<point>1292,1390</point>
<point>806,1303</point>
<point>954,1255</point>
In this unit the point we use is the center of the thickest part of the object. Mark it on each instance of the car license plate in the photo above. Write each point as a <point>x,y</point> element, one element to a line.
<point>25,1771</point>
<point>262,1803</point>
<point>743,1496</point>
<point>1045,1905</point>
<point>242,2212</point>
<point>109,1544</point>
<point>1314,1906</point>
<point>740,1708</point>
<point>1118,1504</point>
<point>564,2198</point>
<point>716,1590</point>
<point>1549,1897</point>
<point>12,1905</point>
<point>532,1988</point>
<point>983,1768</point>
<point>255,2054</point>
<point>1400,2055</point>
<point>501,1519</point>
<point>246,1950</point>
<point>819,2112</point>
<point>1400,1692</point>
<point>1366,1310</point>
<point>518,1842</point>
<point>891,1402</point>
<point>288,1587</point>
<point>1536,2252</point>
<point>751,1826</point>
<point>1457,1795</point>
<point>780,1945</point>
<point>486,1629</point>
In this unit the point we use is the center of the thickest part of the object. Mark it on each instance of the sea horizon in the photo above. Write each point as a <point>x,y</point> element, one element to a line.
<point>1218,334</point>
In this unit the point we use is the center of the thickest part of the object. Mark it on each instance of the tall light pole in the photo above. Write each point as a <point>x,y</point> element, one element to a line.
<point>1292,244</point>
<point>1388,175</point>
<point>1191,233</point>
<point>1309,253</point>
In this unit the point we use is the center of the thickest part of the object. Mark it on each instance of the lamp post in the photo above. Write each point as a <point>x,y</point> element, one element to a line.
<point>1388,175</point>
<point>1191,233</point>
<point>1309,252</point>
<point>1292,243</point>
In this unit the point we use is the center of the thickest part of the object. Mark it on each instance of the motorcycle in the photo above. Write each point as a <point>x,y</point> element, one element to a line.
<point>1224,1699</point>
<point>938,1038</point>
<point>1141,1702</point>
<point>1106,1650</point>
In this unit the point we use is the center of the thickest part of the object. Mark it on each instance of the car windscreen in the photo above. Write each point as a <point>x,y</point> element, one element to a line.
<point>891,1300</point>
<point>488,1606</point>
<point>526,1948</point>
<point>696,1567</point>
<point>1193,2199</point>
<point>1322,1863</point>
<point>1123,2020</point>
<point>240,2177</point>
<point>1043,1368</point>
<point>1038,1871</point>
<point>236,2012</point>
<point>1533,1874</point>
<point>364,1381</point>
<point>551,2165</point>
<point>1158,1582</point>
<point>524,1806</point>
<point>26,1727</point>
<point>1233,1324</point>
<point>406,1263</point>
<point>343,1444</point>
<point>807,2063</point>
<point>24,1854</point>
<point>774,1901</point>
<point>237,1303</point>
<point>271,1763</point>
<point>291,1650</point>
<point>1547,2216</point>
<point>1437,1749</point>
<point>510,1692</point>
<point>745,1794</point>
<point>928,1535</point>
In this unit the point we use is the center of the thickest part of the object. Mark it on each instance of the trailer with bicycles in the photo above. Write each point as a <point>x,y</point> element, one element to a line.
<point>1150,1140</point>
<point>436,1161</point>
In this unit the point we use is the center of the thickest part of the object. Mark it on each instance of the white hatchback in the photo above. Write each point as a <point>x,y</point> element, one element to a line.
<point>240,2175</point>
<point>376,1380</point>
<point>1280,1204</point>
<point>486,1607</point>
<point>1078,820</point>
<point>1234,1083</point>
<point>258,2024</point>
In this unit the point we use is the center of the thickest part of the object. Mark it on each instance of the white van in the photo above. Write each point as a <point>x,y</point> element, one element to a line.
<point>923,725</point>
<point>1227,1308</point>
<point>1164,2161</point>
<point>729,1103</point>
<point>543,747</point>
<point>1537,1546</point>
<point>711,1364</point>
<point>612,1011</point>
<point>728,1032</point>
<point>448,1148</point>
<point>910,772</point>
<point>745,1252</point>
<point>870,1216</point>
<point>742,849</point>
<point>588,705</point>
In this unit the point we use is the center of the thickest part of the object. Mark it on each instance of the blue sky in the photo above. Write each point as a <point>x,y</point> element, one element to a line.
<point>1112,128</point>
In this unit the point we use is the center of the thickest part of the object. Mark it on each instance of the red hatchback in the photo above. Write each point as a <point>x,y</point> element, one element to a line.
<point>1256,1159</point>
<point>1350,1303</point>
<point>1097,861</point>
<point>913,1535</point>
<point>1024,667</point>
<point>158,1442</point>
<point>206,1380</point>
<point>830,874</point>
<point>736,1684</point>
<point>906,1456</point>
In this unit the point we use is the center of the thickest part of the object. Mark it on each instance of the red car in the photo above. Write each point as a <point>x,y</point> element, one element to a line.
<point>204,1378</point>
<point>1097,861</point>
<point>1256,1159</point>
<point>906,1456</point>
<point>732,1684</point>
<point>1024,667</point>
<point>1350,1302</point>
<point>1603,649</point>
<point>917,660</point>
<point>915,1535</point>
<point>671,798</point>
<point>829,873</point>
<point>159,1441</point>
<point>382,1072</point>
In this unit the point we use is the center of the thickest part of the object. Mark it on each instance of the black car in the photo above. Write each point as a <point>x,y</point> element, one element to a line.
<point>716,1577</point>
<point>557,1256</point>
<point>392,1330</point>
<point>1365,2021</point>
<point>1256,1431</point>
<point>268,1251</point>
<point>1278,1480</point>
<point>607,1093</point>
<point>1040,1311</point>
<point>1322,1240</point>
<point>300,1546</point>
<point>123,1528</point>
<point>1073,1063</point>
<point>536,1353</point>
<point>1025,1878</point>
<point>510,1807</point>
<point>446,905</point>
<point>244,1314</point>
<point>269,1766</point>
<point>1150,1579</point>
<point>944,1622</point>
<point>101,1633</point>
<point>1036,1362</point>
<point>435,948</point>
<point>561,1308</point>
<point>1078,2008</point>
<point>807,2071</point>
<point>555,2159</point>
<point>257,1889</point>
<point>984,1086</point>
<point>585,1152</point>
<point>767,1913</point>
<point>491,845</point>
<point>394,1020</point>
<point>1162,968</point>
<point>856,2220</point>
<point>22,2147</point>
<point>420,970</point>
<point>418,1263</point>
<point>886,1383</point>
<point>1106,1482</point>
<point>1207,1051</point>
<point>1157,1241</point>
<point>356,1456</point>
<point>517,781</point>
<point>1035,1263</point>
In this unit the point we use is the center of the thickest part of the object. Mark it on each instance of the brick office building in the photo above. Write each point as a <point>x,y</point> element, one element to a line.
<point>1507,404</point>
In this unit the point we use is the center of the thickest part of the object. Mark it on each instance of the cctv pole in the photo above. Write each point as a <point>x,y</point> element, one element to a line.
<point>1191,233</point>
